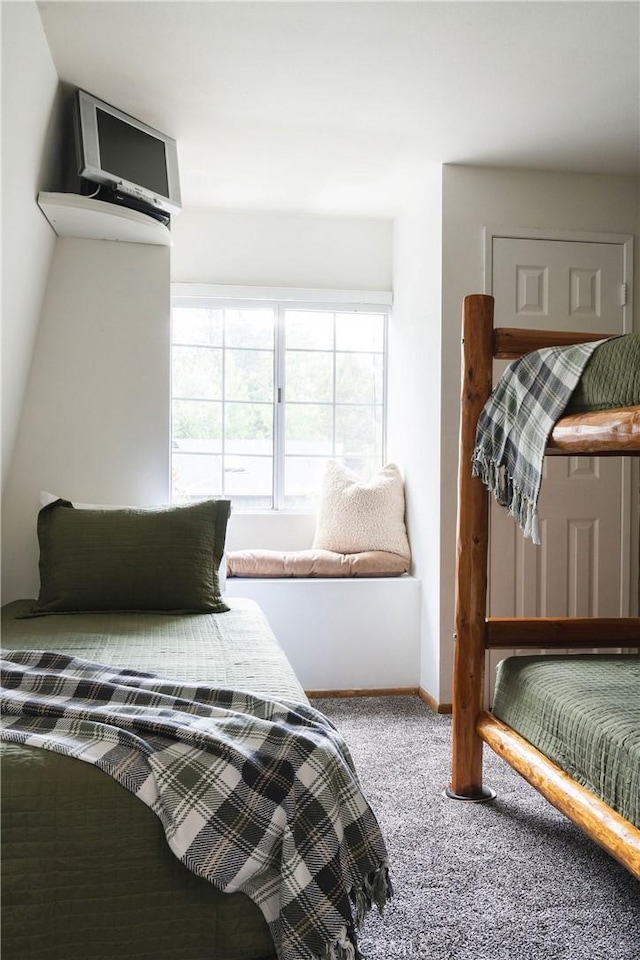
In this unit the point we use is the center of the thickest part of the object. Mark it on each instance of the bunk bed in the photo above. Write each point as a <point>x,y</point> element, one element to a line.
<point>604,432</point>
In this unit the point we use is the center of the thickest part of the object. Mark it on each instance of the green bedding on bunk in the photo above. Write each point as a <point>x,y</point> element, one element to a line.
<point>611,377</point>
<point>87,872</point>
<point>583,713</point>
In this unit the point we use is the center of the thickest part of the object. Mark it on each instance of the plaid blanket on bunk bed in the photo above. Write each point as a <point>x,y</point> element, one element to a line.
<point>514,427</point>
<point>254,795</point>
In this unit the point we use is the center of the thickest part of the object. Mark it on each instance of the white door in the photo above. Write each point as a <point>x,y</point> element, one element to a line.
<point>581,567</point>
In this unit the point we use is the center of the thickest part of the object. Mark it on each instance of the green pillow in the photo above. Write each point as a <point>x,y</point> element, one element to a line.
<point>131,559</point>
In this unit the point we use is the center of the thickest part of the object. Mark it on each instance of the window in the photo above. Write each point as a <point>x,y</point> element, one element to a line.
<point>264,391</point>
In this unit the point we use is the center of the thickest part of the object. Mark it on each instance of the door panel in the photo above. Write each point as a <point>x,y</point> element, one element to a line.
<point>578,569</point>
<point>558,284</point>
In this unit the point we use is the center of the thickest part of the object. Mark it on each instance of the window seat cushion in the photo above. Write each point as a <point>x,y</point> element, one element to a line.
<point>314,563</point>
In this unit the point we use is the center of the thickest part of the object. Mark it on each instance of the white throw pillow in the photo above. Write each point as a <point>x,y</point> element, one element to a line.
<point>356,515</point>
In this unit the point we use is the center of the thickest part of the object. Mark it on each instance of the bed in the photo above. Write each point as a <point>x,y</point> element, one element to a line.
<point>87,871</point>
<point>543,705</point>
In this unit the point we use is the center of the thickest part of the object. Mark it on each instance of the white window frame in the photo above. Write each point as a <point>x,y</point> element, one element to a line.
<point>207,295</point>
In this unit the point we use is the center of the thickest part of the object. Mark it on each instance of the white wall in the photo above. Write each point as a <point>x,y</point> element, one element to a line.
<point>414,398</point>
<point>29,108</point>
<point>475,197</point>
<point>286,531</point>
<point>343,634</point>
<point>219,246</point>
<point>95,421</point>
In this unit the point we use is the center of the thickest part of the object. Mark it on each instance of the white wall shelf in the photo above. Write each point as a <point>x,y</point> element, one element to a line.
<point>72,215</point>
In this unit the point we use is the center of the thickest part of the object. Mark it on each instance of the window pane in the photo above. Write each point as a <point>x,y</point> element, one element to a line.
<point>360,331</point>
<point>197,326</point>
<point>302,480</point>
<point>309,429</point>
<point>249,375</point>
<point>309,329</point>
<point>359,432</point>
<point>365,467</point>
<point>197,420</point>
<point>358,378</point>
<point>197,372</point>
<point>248,428</point>
<point>309,376</point>
<point>196,476</point>
<point>252,327</point>
<point>248,478</point>
<point>242,502</point>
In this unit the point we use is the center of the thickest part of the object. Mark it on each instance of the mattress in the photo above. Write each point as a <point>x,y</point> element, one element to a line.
<point>583,713</point>
<point>87,872</point>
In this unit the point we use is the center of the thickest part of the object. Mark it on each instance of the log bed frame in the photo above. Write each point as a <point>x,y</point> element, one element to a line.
<point>602,433</point>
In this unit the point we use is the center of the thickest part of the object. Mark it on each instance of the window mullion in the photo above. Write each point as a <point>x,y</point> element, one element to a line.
<point>279,409</point>
<point>333,395</point>
<point>223,414</point>
<point>385,367</point>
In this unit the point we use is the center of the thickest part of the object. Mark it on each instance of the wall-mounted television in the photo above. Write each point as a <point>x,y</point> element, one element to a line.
<point>132,160</point>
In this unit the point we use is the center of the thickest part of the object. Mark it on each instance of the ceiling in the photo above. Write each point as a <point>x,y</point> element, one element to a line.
<point>334,108</point>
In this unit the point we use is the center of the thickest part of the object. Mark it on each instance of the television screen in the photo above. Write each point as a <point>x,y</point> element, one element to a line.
<point>137,162</point>
<point>131,154</point>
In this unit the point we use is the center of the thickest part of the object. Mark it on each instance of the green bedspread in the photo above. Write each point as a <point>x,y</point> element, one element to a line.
<point>611,377</point>
<point>87,873</point>
<point>582,712</point>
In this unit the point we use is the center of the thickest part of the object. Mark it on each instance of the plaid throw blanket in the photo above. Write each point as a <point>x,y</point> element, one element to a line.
<point>514,427</point>
<point>253,795</point>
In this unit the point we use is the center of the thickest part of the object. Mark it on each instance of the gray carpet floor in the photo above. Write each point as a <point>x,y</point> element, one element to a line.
<point>508,880</point>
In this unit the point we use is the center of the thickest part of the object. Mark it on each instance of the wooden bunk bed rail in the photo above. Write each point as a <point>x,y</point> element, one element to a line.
<point>509,343</point>
<point>612,832</point>
<point>587,632</point>
<point>597,433</point>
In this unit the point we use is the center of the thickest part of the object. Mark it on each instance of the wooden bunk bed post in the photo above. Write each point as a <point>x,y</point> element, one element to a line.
<point>471,559</point>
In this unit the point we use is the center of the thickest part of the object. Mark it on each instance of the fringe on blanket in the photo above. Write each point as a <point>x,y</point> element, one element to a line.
<point>374,891</point>
<point>507,493</point>
<point>342,949</point>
